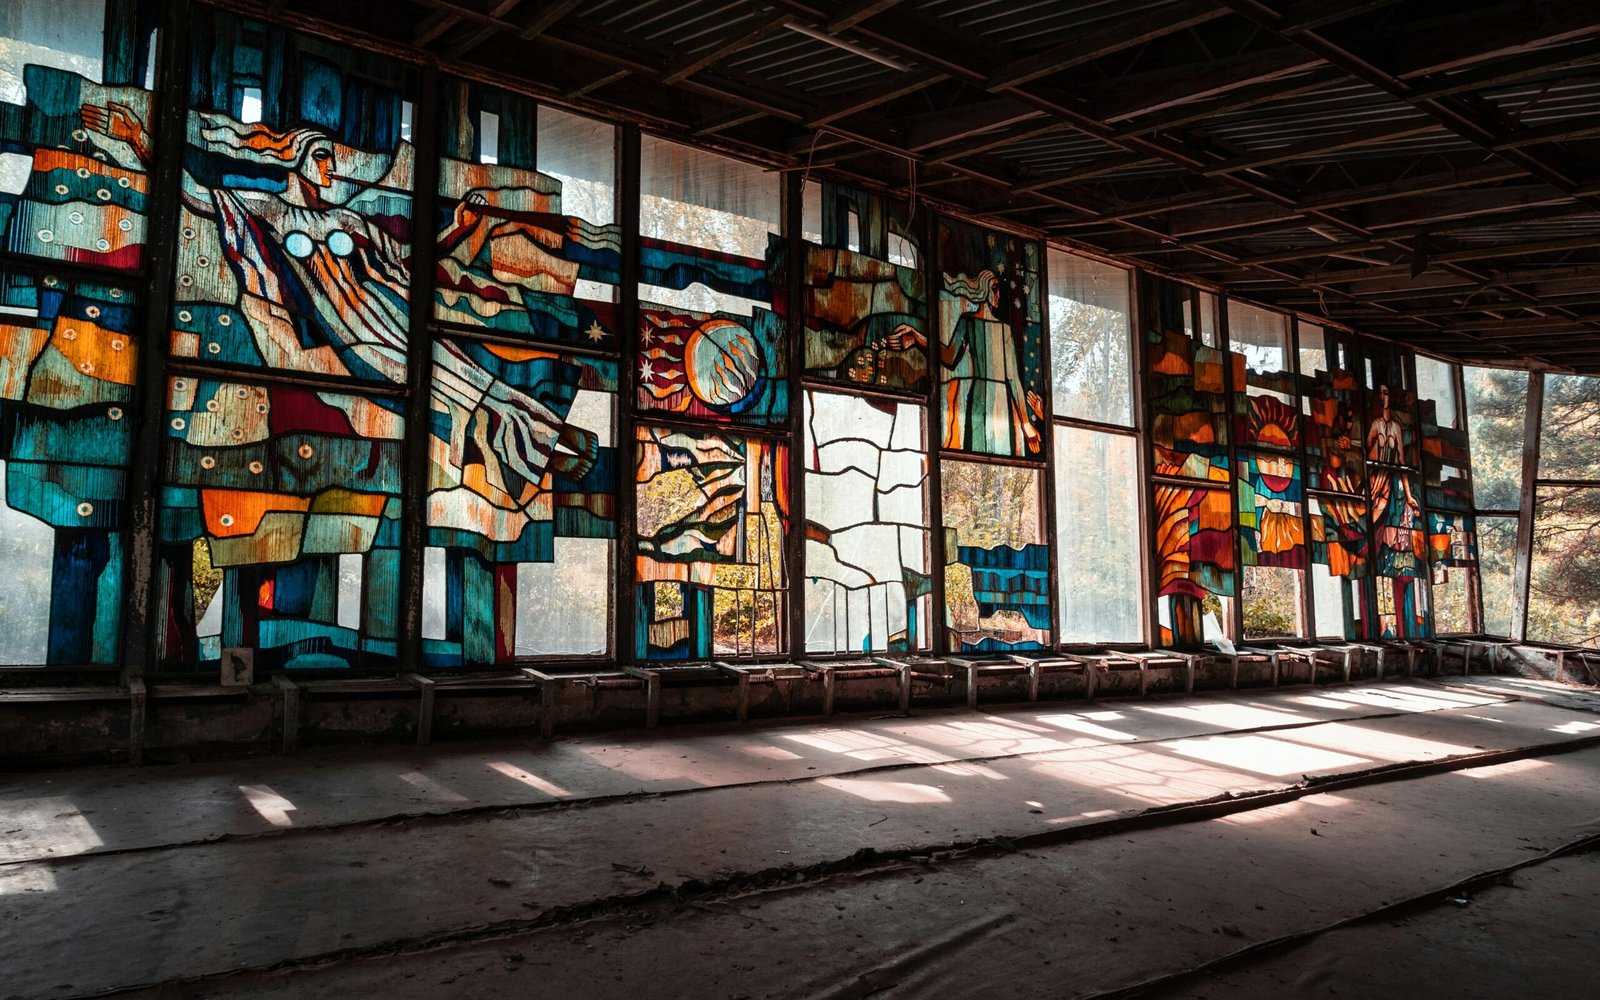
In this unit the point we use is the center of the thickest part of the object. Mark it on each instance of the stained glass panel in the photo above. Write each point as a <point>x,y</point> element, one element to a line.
<point>514,254</point>
<point>280,525</point>
<point>521,503</point>
<point>712,514</point>
<point>1334,441</point>
<point>991,350</point>
<point>1196,561</point>
<point>712,303</point>
<point>997,573</point>
<point>1189,404</point>
<point>867,583</point>
<point>76,133</point>
<point>294,239</point>
<point>864,312</point>
<point>68,360</point>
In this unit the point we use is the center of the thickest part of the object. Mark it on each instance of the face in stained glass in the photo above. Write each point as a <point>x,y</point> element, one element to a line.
<point>294,237</point>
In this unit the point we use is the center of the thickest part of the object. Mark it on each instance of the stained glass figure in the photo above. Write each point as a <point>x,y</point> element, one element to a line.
<point>991,336</point>
<point>866,551</point>
<point>68,360</point>
<point>1189,403</point>
<point>712,342</point>
<point>1391,430</point>
<point>1195,562</point>
<point>997,570</point>
<point>863,295</point>
<point>521,504</point>
<point>75,146</point>
<point>295,218</point>
<point>280,525</point>
<point>514,253</point>
<point>711,516</point>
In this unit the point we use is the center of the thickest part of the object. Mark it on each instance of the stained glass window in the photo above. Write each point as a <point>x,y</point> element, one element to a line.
<point>294,238</point>
<point>527,244</point>
<point>76,135</point>
<point>867,583</point>
<point>1195,563</point>
<point>991,351</point>
<point>1340,541</point>
<point>712,515</point>
<point>280,524</point>
<point>997,569</point>
<point>68,360</point>
<point>711,311</point>
<point>280,519</point>
<point>524,464</point>
<point>1192,510</point>
<point>521,498</point>
<point>1188,389</point>
<point>864,311</point>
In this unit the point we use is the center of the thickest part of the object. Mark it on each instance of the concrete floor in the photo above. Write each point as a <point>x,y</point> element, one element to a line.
<point>1066,850</point>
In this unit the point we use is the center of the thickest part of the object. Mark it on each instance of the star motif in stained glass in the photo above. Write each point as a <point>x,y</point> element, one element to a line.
<point>646,373</point>
<point>595,333</point>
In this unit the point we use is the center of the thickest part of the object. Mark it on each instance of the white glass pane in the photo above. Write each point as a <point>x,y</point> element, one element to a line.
<point>1261,335</point>
<point>64,34</point>
<point>27,551</point>
<point>1097,533</point>
<point>1089,339</point>
<point>563,606</point>
<point>1436,381</point>
<point>582,154</point>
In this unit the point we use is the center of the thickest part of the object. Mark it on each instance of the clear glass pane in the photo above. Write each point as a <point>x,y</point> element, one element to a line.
<point>1497,565</point>
<point>1261,335</point>
<point>1569,438</point>
<point>1450,601</point>
<point>1273,606</point>
<point>1097,536</point>
<point>1564,595</point>
<point>563,605</point>
<point>1089,339</point>
<point>1497,403</point>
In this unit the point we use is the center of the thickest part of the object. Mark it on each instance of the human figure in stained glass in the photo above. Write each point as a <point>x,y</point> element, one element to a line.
<point>986,406</point>
<point>289,245</point>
